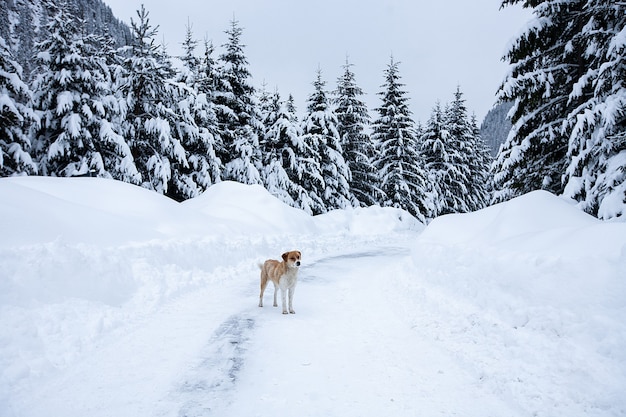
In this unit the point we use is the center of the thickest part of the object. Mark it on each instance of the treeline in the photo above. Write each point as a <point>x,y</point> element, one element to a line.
<point>129,114</point>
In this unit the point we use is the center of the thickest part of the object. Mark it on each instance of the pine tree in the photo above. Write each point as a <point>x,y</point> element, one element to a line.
<point>403,179</point>
<point>72,94</point>
<point>459,156</point>
<point>278,147</point>
<point>568,117</point>
<point>149,119</point>
<point>16,116</point>
<point>117,155</point>
<point>207,72</point>
<point>189,73</point>
<point>533,157</point>
<point>434,138</point>
<point>480,164</point>
<point>359,150</point>
<point>596,121</point>
<point>237,112</point>
<point>320,133</point>
<point>195,126</point>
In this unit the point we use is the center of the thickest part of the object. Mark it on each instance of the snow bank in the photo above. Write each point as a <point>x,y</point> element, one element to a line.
<point>539,279</point>
<point>368,221</point>
<point>89,210</point>
<point>250,209</point>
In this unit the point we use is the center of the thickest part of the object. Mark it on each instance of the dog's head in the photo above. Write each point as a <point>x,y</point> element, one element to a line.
<point>292,258</point>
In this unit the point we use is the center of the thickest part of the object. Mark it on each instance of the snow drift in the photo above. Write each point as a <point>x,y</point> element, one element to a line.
<point>543,281</point>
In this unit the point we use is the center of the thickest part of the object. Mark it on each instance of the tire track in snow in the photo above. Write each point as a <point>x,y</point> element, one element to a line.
<point>210,381</point>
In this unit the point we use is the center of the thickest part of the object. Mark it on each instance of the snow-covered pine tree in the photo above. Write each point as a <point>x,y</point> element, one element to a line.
<point>533,156</point>
<point>458,157</point>
<point>319,129</point>
<point>279,150</point>
<point>568,118</point>
<point>306,170</point>
<point>238,114</point>
<point>434,138</point>
<point>16,118</point>
<point>190,71</point>
<point>147,90</point>
<point>117,155</point>
<point>358,148</point>
<point>195,125</point>
<point>399,163</point>
<point>480,164</point>
<point>207,118</point>
<point>73,98</point>
<point>266,103</point>
<point>596,119</point>
<point>207,73</point>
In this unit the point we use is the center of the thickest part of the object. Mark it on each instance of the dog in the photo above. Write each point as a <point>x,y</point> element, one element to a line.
<point>284,275</point>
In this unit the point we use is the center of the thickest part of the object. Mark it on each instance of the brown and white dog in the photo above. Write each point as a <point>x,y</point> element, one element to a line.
<point>284,275</point>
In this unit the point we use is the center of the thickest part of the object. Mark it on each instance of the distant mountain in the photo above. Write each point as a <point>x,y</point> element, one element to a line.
<point>22,23</point>
<point>496,126</point>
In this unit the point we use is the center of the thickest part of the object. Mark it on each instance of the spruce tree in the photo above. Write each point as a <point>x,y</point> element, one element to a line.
<point>320,133</point>
<point>118,158</point>
<point>433,150</point>
<point>16,117</point>
<point>148,126</point>
<point>278,147</point>
<point>238,114</point>
<point>358,148</point>
<point>73,96</point>
<point>596,121</point>
<point>458,160</point>
<point>399,163</point>
<point>568,116</point>
<point>533,157</point>
<point>195,125</point>
<point>480,165</point>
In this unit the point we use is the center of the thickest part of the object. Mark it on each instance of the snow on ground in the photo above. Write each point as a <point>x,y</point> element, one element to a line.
<point>117,301</point>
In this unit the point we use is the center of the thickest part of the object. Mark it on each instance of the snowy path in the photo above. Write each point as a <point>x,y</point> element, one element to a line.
<point>363,343</point>
<point>346,352</point>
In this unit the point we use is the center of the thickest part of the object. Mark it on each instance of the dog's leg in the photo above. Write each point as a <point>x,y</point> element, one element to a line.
<point>283,294</point>
<point>291,291</point>
<point>275,294</point>
<point>263,285</point>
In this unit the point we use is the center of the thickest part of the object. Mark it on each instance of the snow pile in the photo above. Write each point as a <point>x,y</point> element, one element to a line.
<point>89,210</point>
<point>541,281</point>
<point>368,221</point>
<point>250,209</point>
<point>536,222</point>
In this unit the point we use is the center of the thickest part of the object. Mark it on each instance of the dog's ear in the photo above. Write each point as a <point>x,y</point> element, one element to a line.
<point>285,256</point>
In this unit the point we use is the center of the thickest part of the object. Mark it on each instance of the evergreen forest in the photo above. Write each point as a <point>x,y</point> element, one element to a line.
<point>107,101</point>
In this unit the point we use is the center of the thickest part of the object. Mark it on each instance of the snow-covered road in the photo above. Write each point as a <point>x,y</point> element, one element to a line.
<point>346,352</point>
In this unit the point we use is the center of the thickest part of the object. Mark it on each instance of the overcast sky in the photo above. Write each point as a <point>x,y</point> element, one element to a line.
<point>439,44</point>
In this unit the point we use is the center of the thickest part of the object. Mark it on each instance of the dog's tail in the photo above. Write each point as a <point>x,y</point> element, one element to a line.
<point>260,265</point>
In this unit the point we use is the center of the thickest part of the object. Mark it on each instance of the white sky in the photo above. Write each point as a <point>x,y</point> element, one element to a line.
<point>439,44</point>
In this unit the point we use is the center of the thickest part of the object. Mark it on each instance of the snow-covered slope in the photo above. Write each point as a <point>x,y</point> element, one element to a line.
<point>531,295</point>
<point>117,301</point>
